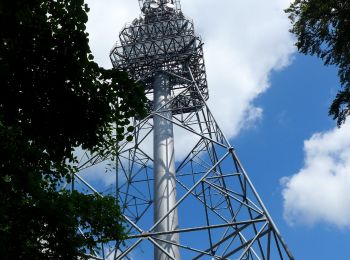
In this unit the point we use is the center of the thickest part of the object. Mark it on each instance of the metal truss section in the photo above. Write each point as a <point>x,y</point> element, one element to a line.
<point>221,214</point>
<point>162,40</point>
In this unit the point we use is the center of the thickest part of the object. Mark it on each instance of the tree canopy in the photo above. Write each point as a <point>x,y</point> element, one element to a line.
<point>323,29</point>
<point>55,98</point>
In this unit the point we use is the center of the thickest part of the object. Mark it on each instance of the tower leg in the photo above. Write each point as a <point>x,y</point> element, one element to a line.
<point>164,171</point>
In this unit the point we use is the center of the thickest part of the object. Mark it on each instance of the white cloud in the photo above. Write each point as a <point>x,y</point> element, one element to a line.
<point>106,19</point>
<point>244,42</point>
<point>320,191</point>
<point>102,171</point>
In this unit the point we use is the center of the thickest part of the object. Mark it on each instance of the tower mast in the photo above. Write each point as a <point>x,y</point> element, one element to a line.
<point>164,168</point>
<point>201,206</point>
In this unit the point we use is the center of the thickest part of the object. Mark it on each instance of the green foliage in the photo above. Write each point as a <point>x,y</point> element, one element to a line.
<point>322,29</point>
<point>44,226</point>
<point>55,98</point>
<point>50,86</point>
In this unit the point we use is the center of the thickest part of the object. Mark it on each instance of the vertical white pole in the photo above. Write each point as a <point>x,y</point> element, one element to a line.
<point>164,170</point>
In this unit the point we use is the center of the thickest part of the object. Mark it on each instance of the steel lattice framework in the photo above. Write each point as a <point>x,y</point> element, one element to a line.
<point>163,40</point>
<point>221,214</point>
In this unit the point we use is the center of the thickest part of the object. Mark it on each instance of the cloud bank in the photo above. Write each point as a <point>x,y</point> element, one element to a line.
<point>320,191</point>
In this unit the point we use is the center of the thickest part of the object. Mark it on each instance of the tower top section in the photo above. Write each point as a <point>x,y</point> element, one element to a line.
<point>159,7</point>
<point>163,40</point>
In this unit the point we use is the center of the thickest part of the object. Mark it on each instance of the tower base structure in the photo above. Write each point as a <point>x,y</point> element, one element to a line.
<point>221,214</point>
<point>203,204</point>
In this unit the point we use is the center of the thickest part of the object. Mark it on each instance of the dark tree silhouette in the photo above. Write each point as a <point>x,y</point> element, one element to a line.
<point>323,29</point>
<point>54,98</point>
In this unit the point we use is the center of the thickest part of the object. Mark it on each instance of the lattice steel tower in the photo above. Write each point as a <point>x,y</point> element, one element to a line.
<point>203,206</point>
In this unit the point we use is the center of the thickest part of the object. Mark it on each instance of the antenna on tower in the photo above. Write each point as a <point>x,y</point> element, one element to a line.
<point>154,4</point>
<point>169,4</point>
<point>148,6</point>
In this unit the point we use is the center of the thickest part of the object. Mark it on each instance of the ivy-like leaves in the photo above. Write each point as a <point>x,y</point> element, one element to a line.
<point>55,98</point>
<point>322,29</point>
<point>51,88</point>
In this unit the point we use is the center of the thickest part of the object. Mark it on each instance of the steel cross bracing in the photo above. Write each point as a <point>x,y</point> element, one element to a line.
<point>221,216</point>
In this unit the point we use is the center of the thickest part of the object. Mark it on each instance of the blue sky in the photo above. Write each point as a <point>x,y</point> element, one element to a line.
<point>274,106</point>
<point>295,108</point>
